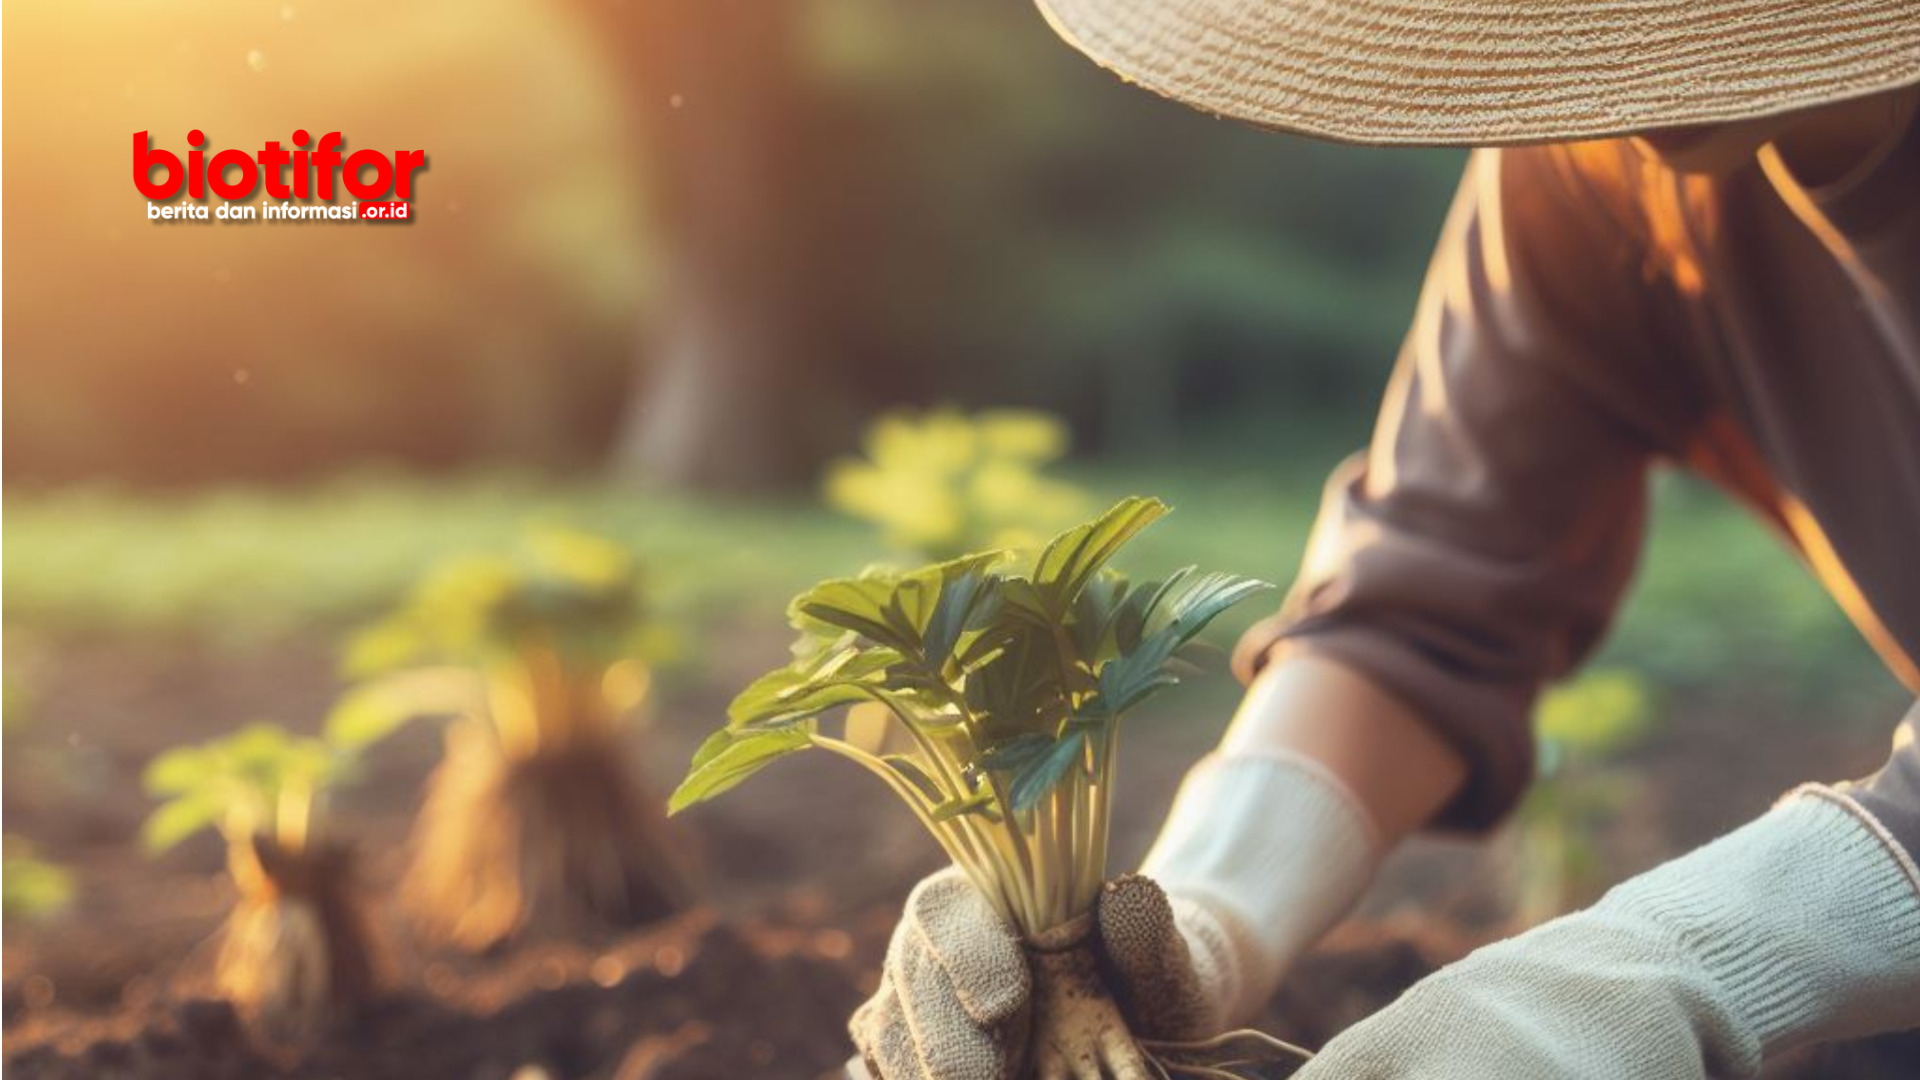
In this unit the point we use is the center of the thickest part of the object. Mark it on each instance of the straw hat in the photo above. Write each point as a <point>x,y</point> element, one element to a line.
<point>1488,72</point>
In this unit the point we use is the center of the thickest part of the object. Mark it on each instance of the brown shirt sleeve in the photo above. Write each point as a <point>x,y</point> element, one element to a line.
<point>1479,547</point>
<point>1892,795</point>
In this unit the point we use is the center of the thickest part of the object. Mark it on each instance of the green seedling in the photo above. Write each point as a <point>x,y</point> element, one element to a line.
<point>942,484</point>
<point>34,890</point>
<point>1583,729</point>
<point>1010,681</point>
<point>534,821</point>
<point>297,952</point>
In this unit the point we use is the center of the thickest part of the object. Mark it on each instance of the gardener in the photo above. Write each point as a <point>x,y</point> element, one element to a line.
<point>1702,245</point>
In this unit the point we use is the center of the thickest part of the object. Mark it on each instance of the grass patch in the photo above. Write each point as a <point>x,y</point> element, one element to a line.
<point>1718,599</point>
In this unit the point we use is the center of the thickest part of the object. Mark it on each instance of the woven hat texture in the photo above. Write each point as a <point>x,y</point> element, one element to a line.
<point>1493,72</point>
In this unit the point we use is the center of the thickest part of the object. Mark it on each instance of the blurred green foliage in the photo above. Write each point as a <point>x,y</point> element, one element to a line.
<point>539,645</point>
<point>566,590</point>
<point>1599,714</point>
<point>30,887</point>
<point>261,779</point>
<point>1718,600</point>
<point>1584,728</point>
<point>942,484</point>
<point>243,563</point>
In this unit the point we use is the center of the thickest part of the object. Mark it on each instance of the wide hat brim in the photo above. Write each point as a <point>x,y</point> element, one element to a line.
<point>1497,72</point>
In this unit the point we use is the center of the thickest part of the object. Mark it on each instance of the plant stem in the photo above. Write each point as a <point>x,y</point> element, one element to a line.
<point>1101,804</point>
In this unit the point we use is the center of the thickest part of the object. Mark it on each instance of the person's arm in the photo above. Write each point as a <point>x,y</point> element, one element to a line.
<point>1377,746</point>
<point>1892,795</point>
<point>1475,552</point>
<point>1801,927</point>
<point>1275,835</point>
<point>1480,546</point>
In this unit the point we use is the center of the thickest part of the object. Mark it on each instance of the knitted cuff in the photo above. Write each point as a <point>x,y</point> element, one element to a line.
<point>1808,919</point>
<point>1261,854</point>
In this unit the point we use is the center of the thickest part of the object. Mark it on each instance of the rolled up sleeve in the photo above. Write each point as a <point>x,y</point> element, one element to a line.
<point>1892,795</point>
<point>1479,547</point>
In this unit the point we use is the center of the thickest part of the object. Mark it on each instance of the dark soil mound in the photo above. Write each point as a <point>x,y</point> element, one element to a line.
<point>690,998</point>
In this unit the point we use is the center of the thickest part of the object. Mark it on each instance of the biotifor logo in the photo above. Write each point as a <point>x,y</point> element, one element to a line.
<point>306,172</point>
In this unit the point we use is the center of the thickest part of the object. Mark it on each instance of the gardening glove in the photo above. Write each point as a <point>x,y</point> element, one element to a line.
<point>1261,854</point>
<point>1800,927</point>
<point>954,991</point>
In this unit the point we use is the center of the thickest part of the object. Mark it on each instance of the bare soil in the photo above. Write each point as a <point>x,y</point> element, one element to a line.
<point>801,876</point>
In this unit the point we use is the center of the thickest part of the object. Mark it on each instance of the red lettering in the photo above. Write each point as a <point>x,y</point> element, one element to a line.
<point>313,169</point>
<point>406,162</point>
<point>327,159</point>
<point>146,159</point>
<point>273,167</point>
<point>232,159</point>
<point>301,185</point>
<point>196,172</point>
<point>382,174</point>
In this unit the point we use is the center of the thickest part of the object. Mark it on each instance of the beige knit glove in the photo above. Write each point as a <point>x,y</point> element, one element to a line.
<point>955,997</point>
<point>1800,927</point>
<point>1260,854</point>
<point>954,990</point>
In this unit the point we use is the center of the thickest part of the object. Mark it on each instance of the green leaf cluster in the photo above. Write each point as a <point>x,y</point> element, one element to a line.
<point>261,778</point>
<point>943,483</point>
<point>1583,728</point>
<point>30,887</point>
<point>1596,717</point>
<point>547,646</point>
<point>577,595</point>
<point>1008,677</point>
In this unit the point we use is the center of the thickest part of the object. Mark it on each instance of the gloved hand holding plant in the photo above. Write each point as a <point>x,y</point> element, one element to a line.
<point>1010,683</point>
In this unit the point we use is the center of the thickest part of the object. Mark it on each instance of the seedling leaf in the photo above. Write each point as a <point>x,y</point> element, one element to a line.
<point>1008,682</point>
<point>367,714</point>
<point>1017,752</point>
<point>1032,782</point>
<point>1188,602</point>
<point>730,756</point>
<point>800,691</point>
<point>33,888</point>
<point>178,770</point>
<point>1075,556</point>
<point>889,609</point>
<point>1173,614</point>
<point>942,483</point>
<point>964,599</point>
<point>178,819</point>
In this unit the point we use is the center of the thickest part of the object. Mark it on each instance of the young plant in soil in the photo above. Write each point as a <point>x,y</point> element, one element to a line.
<point>1010,682</point>
<point>34,889</point>
<point>1583,727</point>
<point>297,953</point>
<point>535,822</point>
<point>31,888</point>
<point>944,483</point>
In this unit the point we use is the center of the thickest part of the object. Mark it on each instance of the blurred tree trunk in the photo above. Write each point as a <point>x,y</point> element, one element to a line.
<point>728,359</point>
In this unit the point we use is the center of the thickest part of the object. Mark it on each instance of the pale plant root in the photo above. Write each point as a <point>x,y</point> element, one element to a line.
<point>297,955</point>
<point>1080,1034</point>
<point>1233,1055</point>
<point>553,844</point>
